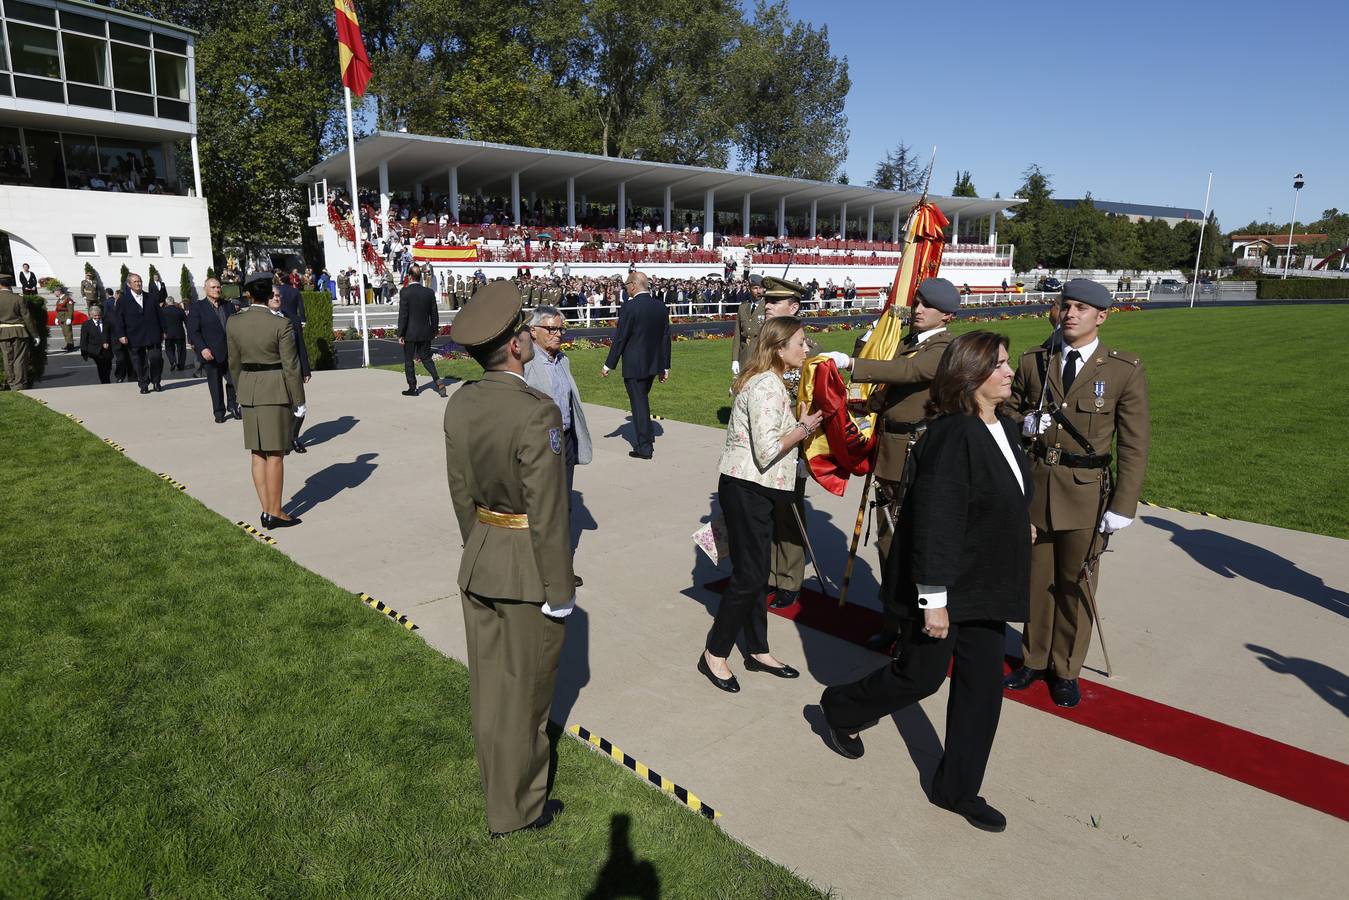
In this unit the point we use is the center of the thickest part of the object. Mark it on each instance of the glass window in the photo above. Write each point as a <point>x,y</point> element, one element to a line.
<point>87,24</point>
<point>171,76</point>
<point>135,103</point>
<point>172,109</point>
<point>12,168</point>
<point>86,59</point>
<point>30,12</point>
<point>84,244</point>
<point>34,51</point>
<point>81,156</point>
<point>45,166</point>
<point>80,95</point>
<point>4,55</point>
<point>39,89</point>
<point>131,68</point>
<point>117,245</point>
<point>149,246</point>
<point>171,44</point>
<point>180,246</point>
<point>128,34</point>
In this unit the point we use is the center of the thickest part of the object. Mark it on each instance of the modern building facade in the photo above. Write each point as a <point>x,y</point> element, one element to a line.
<point>98,144</point>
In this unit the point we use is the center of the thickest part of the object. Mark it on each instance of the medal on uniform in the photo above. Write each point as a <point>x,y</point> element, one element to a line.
<point>1100,394</point>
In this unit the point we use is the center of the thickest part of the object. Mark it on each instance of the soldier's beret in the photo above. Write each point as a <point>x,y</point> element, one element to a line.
<point>756,280</point>
<point>782,289</point>
<point>938,293</point>
<point>1084,290</point>
<point>497,309</point>
<point>256,277</point>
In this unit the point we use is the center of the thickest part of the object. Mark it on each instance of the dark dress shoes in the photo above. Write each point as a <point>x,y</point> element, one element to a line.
<point>410,392</point>
<point>577,580</point>
<point>220,420</point>
<point>1023,678</point>
<point>782,599</point>
<point>145,390</point>
<point>637,454</point>
<point>729,685</point>
<point>550,810</point>
<point>843,743</point>
<point>440,389</point>
<point>159,388</point>
<point>298,447</point>
<point>977,812</point>
<point>1065,692</point>
<point>783,671</point>
<point>237,412</point>
<point>269,521</point>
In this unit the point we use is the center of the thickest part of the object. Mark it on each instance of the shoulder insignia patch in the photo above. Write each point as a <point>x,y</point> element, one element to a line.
<point>555,439</point>
<point>1129,358</point>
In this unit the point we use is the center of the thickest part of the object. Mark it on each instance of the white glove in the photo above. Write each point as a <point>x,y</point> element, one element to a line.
<point>1035,423</point>
<point>842,360</point>
<point>300,411</point>
<point>735,367</point>
<point>561,611</point>
<point>1111,522</point>
<point>37,342</point>
<point>866,337</point>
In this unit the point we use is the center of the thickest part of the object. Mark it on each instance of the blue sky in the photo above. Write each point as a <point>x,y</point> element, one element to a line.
<point>1132,101</point>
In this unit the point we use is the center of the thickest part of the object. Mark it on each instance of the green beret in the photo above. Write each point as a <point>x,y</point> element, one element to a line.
<point>939,294</point>
<point>782,289</point>
<point>497,309</point>
<point>1084,290</point>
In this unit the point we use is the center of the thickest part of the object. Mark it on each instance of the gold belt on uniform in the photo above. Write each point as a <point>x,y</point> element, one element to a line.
<point>501,519</point>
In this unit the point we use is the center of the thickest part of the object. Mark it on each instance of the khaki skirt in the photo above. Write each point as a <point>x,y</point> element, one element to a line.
<point>268,428</point>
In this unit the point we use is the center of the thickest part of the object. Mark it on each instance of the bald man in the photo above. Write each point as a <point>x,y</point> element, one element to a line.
<point>643,343</point>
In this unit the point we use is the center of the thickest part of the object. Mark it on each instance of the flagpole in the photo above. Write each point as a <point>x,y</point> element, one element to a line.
<point>356,230</point>
<point>1198,255</point>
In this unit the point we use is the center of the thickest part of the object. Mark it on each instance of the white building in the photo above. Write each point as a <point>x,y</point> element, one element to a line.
<point>95,107</point>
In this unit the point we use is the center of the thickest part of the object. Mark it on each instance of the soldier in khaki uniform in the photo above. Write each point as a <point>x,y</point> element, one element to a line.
<point>65,317</point>
<point>89,291</point>
<point>17,328</point>
<point>901,403</point>
<point>508,480</point>
<point>1101,398</point>
<point>749,318</point>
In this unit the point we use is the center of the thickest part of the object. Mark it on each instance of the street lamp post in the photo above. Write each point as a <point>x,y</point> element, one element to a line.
<point>1297,187</point>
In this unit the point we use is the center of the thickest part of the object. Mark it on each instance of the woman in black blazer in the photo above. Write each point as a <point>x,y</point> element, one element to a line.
<point>966,530</point>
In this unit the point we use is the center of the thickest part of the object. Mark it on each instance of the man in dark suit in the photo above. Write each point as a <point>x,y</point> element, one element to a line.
<point>120,355</point>
<point>643,342</point>
<point>140,331</point>
<point>206,329</point>
<point>418,322</point>
<point>96,343</point>
<point>174,322</point>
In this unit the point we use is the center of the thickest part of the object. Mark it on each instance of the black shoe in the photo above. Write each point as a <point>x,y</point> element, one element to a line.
<point>237,412</point>
<point>220,420</point>
<point>977,812</point>
<point>1065,692</point>
<point>410,392</point>
<point>121,379</point>
<point>440,389</point>
<point>159,388</point>
<point>275,522</point>
<point>782,599</point>
<point>550,810</point>
<point>729,685</point>
<point>145,390</point>
<point>298,447</point>
<point>843,743</point>
<point>637,454</point>
<point>1023,678</point>
<point>882,642</point>
<point>782,671</point>
<point>577,580</point>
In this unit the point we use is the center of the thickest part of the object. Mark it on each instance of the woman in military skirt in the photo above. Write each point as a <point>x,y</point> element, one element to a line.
<point>265,367</point>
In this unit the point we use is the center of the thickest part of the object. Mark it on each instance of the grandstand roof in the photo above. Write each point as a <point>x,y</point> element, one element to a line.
<point>1138,209</point>
<point>422,159</point>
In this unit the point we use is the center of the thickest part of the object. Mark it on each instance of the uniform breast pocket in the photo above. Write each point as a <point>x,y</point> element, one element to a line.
<point>1096,405</point>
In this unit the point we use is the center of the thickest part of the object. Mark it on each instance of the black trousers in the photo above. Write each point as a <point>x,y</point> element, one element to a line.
<point>570,448</point>
<point>103,362</point>
<point>972,708</point>
<point>176,351</point>
<point>639,391</point>
<point>216,373</point>
<point>122,356</point>
<point>414,352</point>
<point>148,363</point>
<point>744,603</point>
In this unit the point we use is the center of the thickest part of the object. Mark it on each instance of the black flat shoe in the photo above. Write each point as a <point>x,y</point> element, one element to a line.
<point>577,580</point>
<point>550,811</point>
<point>145,390</point>
<point>843,743</point>
<point>284,523</point>
<point>783,671</point>
<point>1023,678</point>
<point>159,388</point>
<point>410,392</point>
<point>636,455</point>
<point>978,813</point>
<point>782,599</point>
<point>220,420</point>
<point>298,447</point>
<point>1065,692</point>
<point>729,685</point>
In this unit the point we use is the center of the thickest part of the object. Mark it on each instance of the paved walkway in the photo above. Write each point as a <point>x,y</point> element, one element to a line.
<point>1239,623</point>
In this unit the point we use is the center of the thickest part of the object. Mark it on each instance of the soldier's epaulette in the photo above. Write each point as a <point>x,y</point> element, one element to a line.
<point>538,393</point>
<point>1124,356</point>
<point>1038,348</point>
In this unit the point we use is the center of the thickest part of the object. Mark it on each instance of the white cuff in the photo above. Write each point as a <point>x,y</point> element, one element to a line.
<point>932,596</point>
<point>562,611</point>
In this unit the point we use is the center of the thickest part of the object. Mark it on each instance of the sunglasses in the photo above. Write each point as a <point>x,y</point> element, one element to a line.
<point>551,329</point>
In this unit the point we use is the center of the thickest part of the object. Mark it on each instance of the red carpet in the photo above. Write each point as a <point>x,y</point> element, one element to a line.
<point>1298,775</point>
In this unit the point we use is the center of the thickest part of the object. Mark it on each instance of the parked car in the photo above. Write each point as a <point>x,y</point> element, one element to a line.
<point>1170,286</point>
<point>1048,285</point>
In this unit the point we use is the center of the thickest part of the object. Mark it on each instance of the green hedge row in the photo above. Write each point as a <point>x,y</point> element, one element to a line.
<point>1302,289</point>
<point>318,329</point>
<point>37,356</point>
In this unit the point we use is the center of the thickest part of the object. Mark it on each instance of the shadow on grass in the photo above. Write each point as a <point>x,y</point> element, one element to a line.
<point>1331,685</point>
<point>623,874</point>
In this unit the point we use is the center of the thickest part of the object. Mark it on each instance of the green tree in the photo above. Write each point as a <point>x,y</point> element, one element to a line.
<point>964,186</point>
<point>901,170</point>
<point>185,291</point>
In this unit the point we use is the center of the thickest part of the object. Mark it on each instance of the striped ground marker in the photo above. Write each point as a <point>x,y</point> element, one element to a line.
<point>266,539</point>
<point>114,445</point>
<point>379,606</point>
<point>683,795</point>
<point>74,418</point>
<point>165,476</point>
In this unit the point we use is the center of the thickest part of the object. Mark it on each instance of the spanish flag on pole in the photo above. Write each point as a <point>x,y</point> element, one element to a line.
<point>351,49</point>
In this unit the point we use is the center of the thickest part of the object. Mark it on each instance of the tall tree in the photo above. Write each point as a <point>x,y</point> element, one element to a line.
<point>901,169</point>
<point>964,186</point>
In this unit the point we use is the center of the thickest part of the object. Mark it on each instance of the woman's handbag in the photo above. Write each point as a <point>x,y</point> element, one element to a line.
<point>711,539</point>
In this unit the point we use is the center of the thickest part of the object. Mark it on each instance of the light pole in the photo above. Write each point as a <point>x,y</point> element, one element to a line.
<point>1297,187</point>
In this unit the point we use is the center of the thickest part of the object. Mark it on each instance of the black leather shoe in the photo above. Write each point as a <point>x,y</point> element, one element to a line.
<point>159,388</point>
<point>220,420</point>
<point>577,580</point>
<point>843,743</point>
<point>782,599</point>
<point>237,412</point>
<point>440,389</point>
<point>550,810</point>
<point>782,671</point>
<point>410,392</point>
<point>729,685</point>
<point>275,522</point>
<point>638,455</point>
<point>882,642</point>
<point>145,390</point>
<point>978,813</point>
<point>298,447</point>
<point>1065,692</point>
<point>1023,678</point>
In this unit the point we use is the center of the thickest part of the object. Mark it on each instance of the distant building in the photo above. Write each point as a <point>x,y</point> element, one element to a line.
<point>1140,212</point>
<point>1250,249</point>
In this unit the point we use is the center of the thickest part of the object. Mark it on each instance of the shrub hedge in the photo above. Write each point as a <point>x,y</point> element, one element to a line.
<point>318,329</point>
<point>1302,289</point>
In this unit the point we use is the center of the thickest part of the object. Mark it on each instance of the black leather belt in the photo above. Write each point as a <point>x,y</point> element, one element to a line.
<point>261,367</point>
<point>902,427</point>
<point>1053,456</point>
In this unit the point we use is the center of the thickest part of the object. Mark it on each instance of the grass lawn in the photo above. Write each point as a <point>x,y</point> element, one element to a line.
<point>186,712</point>
<point>1248,410</point>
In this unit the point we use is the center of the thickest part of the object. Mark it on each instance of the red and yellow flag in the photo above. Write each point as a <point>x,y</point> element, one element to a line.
<point>351,49</point>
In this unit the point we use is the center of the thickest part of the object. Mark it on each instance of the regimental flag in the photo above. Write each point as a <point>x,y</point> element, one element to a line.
<point>430,253</point>
<point>351,49</point>
<point>923,245</point>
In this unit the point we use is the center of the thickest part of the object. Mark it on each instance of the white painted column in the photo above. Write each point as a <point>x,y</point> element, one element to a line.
<point>454,193</point>
<point>955,230</point>
<point>383,196</point>
<point>814,207</point>
<point>843,221</point>
<point>669,207</point>
<point>744,217</point>
<point>196,166</point>
<point>993,229</point>
<point>782,217</point>
<point>515,198</point>
<point>871,222</point>
<point>709,214</point>
<point>571,202</point>
<point>622,205</point>
<point>894,228</point>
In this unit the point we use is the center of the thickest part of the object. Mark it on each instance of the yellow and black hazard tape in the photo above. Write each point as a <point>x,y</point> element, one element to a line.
<point>74,418</point>
<point>1207,515</point>
<point>265,538</point>
<point>114,445</point>
<point>658,418</point>
<point>165,476</point>
<point>379,606</point>
<point>683,795</point>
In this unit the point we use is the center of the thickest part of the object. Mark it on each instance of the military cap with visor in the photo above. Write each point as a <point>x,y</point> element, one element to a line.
<point>782,289</point>
<point>497,310</point>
